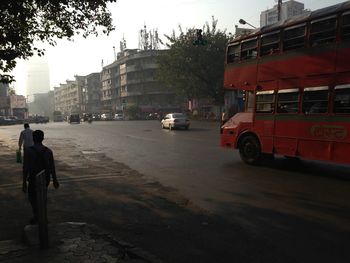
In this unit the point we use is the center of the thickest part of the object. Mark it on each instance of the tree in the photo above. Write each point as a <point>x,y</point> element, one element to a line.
<point>131,111</point>
<point>195,67</point>
<point>25,22</point>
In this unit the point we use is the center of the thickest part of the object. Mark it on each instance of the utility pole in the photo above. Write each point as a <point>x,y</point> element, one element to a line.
<point>279,6</point>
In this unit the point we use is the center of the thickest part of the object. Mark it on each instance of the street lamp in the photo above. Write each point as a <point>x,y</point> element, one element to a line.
<point>243,22</point>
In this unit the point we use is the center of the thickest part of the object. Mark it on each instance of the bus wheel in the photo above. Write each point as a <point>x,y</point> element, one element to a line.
<point>249,150</point>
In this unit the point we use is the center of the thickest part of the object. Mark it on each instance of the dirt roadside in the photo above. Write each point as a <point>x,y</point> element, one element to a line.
<point>97,190</point>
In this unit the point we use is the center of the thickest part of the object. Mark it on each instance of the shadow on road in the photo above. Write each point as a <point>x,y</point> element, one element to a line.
<point>313,168</point>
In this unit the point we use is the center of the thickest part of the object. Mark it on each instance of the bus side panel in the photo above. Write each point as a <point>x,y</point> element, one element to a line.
<point>243,77</point>
<point>264,127</point>
<point>286,135</point>
<point>343,55</point>
<point>316,150</point>
<point>323,139</point>
<point>343,77</point>
<point>341,152</point>
<point>317,63</point>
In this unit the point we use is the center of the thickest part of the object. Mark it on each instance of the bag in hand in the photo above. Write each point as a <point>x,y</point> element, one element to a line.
<point>18,157</point>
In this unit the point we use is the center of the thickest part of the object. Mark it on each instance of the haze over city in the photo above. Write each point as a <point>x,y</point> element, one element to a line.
<point>229,143</point>
<point>84,56</point>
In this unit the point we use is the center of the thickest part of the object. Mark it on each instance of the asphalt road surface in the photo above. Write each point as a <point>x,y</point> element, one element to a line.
<point>301,204</point>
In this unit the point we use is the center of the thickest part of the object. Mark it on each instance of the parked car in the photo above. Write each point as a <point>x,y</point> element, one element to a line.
<point>175,120</point>
<point>74,118</point>
<point>153,116</point>
<point>5,120</point>
<point>106,117</point>
<point>87,117</point>
<point>96,117</point>
<point>119,117</point>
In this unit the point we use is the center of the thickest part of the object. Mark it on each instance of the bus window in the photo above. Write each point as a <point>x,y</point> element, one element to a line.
<point>288,101</point>
<point>294,37</point>
<point>345,30</point>
<point>233,53</point>
<point>315,100</point>
<point>249,49</point>
<point>342,99</point>
<point>270,44</point>
<point>323,31</point>
<point>265,101</point>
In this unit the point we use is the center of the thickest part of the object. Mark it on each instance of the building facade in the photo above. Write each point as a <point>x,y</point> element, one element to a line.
<point>68,96</point>
<point>288,9</point>
<point>91,93</point>
<point>18,106</point>
<point>78,96</point>
<point>131,81</point>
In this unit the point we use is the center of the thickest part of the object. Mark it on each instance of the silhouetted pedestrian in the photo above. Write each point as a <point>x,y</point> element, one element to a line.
<point>25,138</point>
<point>36,159</point>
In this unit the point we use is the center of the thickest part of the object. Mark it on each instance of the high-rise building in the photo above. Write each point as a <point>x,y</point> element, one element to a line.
<point>288,9</point>
<point>38,76</point>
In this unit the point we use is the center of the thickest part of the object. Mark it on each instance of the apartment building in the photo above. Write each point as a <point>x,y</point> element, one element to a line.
<point>68,96</point>
<point>91,93</point>
<point>131,81</point>
<point>288,9</point>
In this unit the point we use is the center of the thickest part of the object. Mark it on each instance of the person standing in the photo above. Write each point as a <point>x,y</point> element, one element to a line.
<point>25,138</point>
<point>36,159</point>
<point>224,117</point>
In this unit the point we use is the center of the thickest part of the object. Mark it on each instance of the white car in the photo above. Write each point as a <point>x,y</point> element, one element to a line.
<point>119,117</point>
<point>175,120</point>
<point>106,117</point>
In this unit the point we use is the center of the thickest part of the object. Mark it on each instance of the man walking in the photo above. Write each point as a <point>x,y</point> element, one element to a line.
<point>25,138</point>
<point>36,159</point>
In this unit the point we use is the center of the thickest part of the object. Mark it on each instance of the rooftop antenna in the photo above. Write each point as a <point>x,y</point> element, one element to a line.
<point>115,55</point>
<point>122,44</point>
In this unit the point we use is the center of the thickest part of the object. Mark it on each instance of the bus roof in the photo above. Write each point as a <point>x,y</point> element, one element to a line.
<point>323,12</point>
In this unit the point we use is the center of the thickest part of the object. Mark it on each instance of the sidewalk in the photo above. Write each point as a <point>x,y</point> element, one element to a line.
<point>72,242</point>
<point>69,241</point>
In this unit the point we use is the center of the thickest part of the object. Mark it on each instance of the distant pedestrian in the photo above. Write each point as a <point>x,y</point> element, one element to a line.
<point>37,158</point>
<point>224,117</point>
<point>25,138</point>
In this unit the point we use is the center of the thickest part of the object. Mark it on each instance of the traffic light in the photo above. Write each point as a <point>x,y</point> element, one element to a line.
<point>199,38</point>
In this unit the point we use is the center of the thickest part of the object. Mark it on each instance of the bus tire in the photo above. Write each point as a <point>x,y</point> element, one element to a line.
<point>250,150</point>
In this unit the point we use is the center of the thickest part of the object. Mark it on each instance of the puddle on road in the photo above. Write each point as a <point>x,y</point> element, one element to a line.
<point>93,155</point>
<point>89,152</point>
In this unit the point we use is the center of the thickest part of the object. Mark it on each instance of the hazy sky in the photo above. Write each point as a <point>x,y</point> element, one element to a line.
<point>84,56</point>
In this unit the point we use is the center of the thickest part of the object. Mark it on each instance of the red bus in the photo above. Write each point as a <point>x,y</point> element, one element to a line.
<point>295,80</point>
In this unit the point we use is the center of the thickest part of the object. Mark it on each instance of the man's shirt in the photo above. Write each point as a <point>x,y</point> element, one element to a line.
<point>37,158</point>
<point>26,138</point>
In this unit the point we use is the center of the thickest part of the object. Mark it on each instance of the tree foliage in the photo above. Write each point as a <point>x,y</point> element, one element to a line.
<point>195,71</point>
<point>25,22</point>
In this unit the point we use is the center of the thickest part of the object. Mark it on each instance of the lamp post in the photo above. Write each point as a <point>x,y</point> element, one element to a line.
<point>243,22</point>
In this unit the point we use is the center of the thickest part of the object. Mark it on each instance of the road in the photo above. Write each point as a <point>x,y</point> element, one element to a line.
<point>304,205</point>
